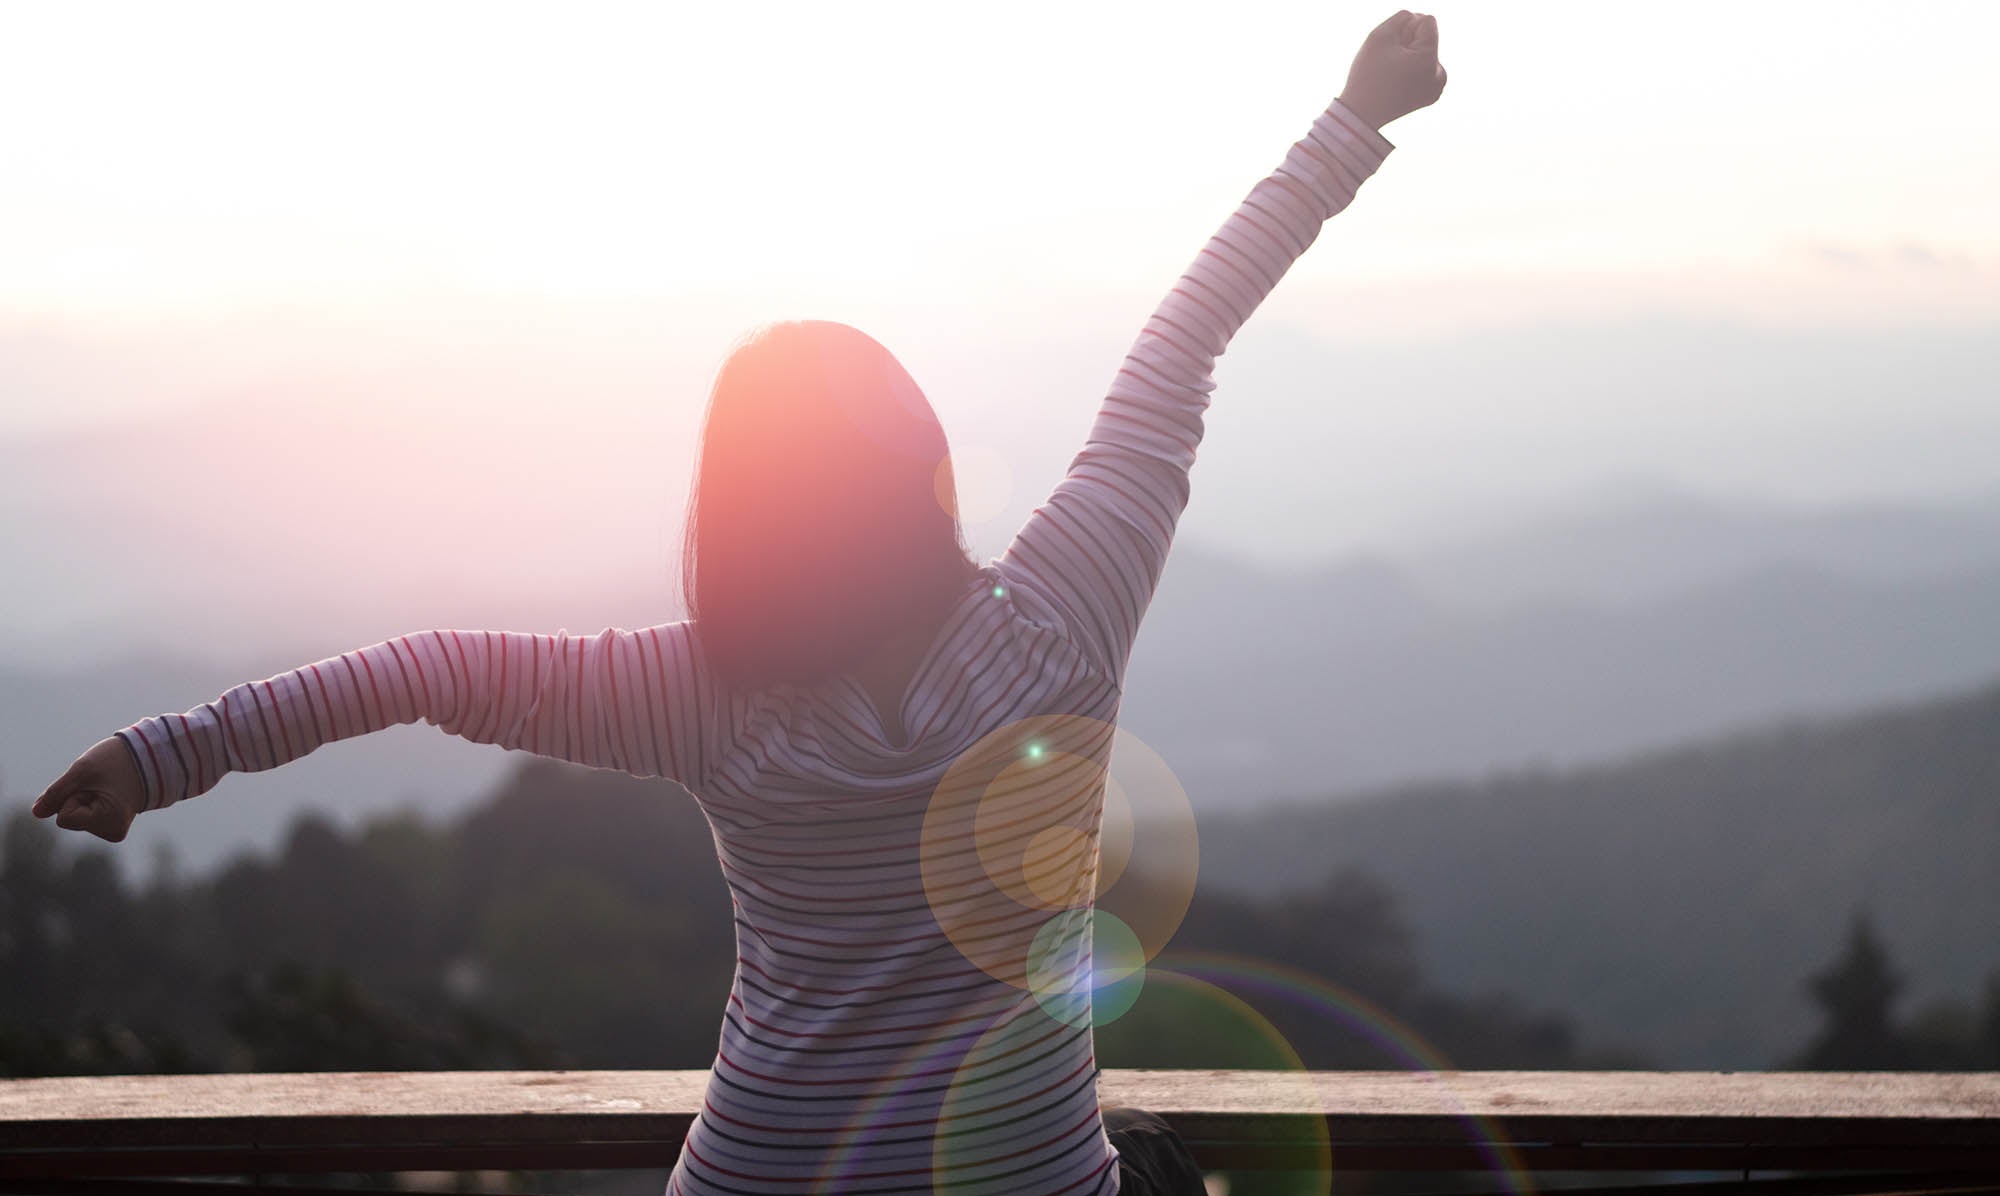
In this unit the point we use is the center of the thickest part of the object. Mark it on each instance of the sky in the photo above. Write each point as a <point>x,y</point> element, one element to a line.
<point>195,158</point>
<point>1745,249</point>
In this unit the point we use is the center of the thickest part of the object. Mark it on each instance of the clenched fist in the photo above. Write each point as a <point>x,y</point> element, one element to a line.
<point>102,792</point>
<point>1397,70</point>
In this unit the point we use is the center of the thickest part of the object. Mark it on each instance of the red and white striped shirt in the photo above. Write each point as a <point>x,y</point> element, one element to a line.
<point>911,1005</point>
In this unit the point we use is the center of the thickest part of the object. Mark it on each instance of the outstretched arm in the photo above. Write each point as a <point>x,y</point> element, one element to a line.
<point>636,701</point>
<point>1097,547</point>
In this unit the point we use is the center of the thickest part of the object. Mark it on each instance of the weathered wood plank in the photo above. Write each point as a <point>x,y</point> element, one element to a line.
<point>350,1094</point>
<point>1901,1096</point>
<point>189,1125</point>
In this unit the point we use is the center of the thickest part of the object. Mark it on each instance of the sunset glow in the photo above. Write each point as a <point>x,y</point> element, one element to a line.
<point>174,158</point>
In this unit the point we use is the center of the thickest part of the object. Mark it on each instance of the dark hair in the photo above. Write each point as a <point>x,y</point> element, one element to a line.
<point>823,515</point>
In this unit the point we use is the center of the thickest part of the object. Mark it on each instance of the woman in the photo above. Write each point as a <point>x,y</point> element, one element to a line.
<point>901,752</point>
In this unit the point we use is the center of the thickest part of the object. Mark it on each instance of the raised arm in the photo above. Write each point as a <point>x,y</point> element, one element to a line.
<point>636,701</point>
<point>1097,546</point>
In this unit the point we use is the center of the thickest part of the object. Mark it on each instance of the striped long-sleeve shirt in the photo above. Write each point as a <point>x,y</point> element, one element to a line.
<point>911,1003</point>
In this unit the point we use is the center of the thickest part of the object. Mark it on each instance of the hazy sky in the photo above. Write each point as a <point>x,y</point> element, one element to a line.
<point>1740,247</point>
<point>165,159</point>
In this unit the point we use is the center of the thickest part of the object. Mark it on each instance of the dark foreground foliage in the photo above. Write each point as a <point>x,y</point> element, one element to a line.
<point>577,919</point>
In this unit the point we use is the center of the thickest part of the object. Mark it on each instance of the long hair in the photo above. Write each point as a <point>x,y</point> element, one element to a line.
<point>823,516</point>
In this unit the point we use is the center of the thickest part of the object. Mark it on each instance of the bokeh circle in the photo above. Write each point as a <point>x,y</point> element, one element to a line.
<point>1052,815</point>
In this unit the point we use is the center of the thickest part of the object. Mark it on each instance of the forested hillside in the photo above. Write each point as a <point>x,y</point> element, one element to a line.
<point>1674,901</point>
<point>578,919</point>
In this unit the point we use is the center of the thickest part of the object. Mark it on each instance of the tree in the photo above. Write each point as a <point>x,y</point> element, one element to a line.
<point>1856,993</point>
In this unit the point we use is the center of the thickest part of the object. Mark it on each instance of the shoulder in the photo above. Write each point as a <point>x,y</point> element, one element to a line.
<point>1040,612</point>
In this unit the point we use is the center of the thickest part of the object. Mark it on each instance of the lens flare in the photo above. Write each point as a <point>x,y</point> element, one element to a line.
<point>1049,815</point>
<point>1052,855</point>
<point>1149,851</point>
<point>1117,967</point>
<point>1010,837</point>
<point>1032,827</point>
<point>987,1089</point>
<point>1187,1022</point>
<point>1086,967</point>
<point>1322,999</point>
<point>895,1113</point>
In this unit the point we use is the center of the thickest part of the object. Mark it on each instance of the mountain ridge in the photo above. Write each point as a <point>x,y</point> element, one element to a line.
<point>1676,899</point>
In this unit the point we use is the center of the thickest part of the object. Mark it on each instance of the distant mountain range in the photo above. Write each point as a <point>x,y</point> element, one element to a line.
<point>1650,618</point>
<point>1257,686</point>
<point>1638,543</point>
<point>1646,620</point>
<point>1678,901</point>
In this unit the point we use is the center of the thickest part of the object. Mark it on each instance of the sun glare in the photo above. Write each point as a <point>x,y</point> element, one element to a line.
<point>168,156</point>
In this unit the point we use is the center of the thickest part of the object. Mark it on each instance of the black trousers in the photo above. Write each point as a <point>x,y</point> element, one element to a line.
<point>1152,1159</point>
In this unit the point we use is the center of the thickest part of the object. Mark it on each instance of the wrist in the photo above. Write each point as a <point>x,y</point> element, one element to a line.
<point>1361,107</point>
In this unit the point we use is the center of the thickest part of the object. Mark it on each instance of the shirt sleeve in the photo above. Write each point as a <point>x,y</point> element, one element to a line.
<point>641,702</point>
<point>1097,546</point>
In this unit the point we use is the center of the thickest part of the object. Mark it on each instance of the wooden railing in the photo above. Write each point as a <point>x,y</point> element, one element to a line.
<point>1930,1132</point>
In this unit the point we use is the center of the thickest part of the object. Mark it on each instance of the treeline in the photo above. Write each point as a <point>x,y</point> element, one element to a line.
<point>577,919</point>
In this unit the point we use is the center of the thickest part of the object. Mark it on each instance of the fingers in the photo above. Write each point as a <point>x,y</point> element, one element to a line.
<point>52,798</point>
<point>84,799</point>
<point>1422,33</point>
<point>95,813</point>
<point>1391,30</point>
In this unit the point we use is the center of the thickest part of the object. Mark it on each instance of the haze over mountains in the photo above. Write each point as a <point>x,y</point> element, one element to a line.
<point>1639,617</point>
<point>1635,625</point>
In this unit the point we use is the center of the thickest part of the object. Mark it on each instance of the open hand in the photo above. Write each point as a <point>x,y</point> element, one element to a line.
<point>102,792</point>
<point>1396,71</point>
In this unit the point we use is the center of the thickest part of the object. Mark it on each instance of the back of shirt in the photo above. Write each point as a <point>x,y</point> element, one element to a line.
<point>911,1002</point>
